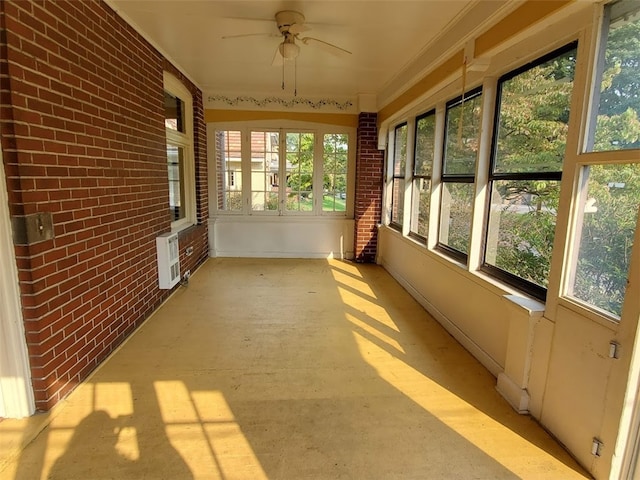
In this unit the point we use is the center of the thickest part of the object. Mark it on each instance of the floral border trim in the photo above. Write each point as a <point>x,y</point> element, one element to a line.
<point>291,103</point>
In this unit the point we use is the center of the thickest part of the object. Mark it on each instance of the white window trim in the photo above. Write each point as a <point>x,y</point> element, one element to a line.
<point>185,140</point>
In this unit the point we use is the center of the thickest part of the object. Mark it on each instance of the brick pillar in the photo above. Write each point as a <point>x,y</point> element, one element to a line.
<point>369,177</point>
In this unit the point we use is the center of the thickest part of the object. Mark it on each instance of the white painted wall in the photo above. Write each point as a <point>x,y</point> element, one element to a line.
<point>281,237</point>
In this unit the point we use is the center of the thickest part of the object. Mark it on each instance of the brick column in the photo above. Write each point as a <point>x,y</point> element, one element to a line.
<point>369,178</point>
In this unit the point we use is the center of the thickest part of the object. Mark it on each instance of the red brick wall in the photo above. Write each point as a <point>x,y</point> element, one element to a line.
<point>369,178</point>
<point>82,125</point>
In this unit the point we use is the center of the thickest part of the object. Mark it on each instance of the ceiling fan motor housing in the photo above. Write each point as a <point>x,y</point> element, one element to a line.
<point>287,18</point>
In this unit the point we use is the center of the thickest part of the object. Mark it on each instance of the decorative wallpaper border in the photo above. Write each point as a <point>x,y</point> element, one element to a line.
<point>282,102</point>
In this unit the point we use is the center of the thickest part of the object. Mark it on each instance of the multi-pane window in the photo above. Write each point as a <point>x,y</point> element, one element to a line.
<point>175,163</point>
<point>617,102</point>
<point>230,164</point>
<point>265,163</point>
<point>299,168</point>
<point>526,169</point>
<point>178,113</point>
<point>334,177</point>
<point>608,195</point>
<point>286,172</point>
<point>462,135</point>
<point>422,169</point>
<point>399,163</point>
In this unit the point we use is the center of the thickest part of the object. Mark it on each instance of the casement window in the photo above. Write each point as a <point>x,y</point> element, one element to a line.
<point>422,170</point>
<point>230,165</point>
<point>398,173</point>
<point>608,197</point>
<point>334,174</point>
<point>265,164</point>
<point>286,172</point>
<point>530,131</point>
<point>178,108</point>
<point>461,142</point>
<point>299,171</point>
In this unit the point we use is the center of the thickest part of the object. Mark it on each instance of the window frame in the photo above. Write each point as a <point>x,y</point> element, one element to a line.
<point>505,276</point>
<point>416,177</point>
<point>282,128</point>
<point>184,140</point>
<point>446,178</point>
<point>401,176</point>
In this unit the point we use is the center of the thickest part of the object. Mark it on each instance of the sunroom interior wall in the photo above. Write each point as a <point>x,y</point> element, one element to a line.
<point>566,356</point>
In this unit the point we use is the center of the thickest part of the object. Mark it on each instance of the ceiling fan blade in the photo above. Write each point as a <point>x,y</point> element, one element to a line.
<point>328,47</point>
<point>278,60</point>
<point>242,35</point>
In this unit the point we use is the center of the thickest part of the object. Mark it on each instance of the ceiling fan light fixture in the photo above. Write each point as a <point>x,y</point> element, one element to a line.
<point>289,50</point>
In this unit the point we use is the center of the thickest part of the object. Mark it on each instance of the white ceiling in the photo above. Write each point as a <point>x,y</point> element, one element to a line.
<point>387,38</point>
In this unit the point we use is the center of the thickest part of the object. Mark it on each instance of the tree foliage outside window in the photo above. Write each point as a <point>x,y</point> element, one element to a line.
<point>462,137</point>
<point>334,178</point>
<point>399,164</point>
<point>617,124</point>
<point>422,168</point>
<point>299,158</point>
<point>608,216</point>
<point>529,147</point>
<point>609,199</point>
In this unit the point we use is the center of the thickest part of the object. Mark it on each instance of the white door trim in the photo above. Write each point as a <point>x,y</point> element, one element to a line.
<point>16,391</point>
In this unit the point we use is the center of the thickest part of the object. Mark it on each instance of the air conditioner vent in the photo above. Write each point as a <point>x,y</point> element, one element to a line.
<point>168,260</point>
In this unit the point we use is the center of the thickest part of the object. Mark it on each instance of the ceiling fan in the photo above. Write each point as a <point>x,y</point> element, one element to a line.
<point>290,25</point>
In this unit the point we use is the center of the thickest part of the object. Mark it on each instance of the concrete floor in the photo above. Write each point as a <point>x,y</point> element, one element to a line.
<point>286,369</point>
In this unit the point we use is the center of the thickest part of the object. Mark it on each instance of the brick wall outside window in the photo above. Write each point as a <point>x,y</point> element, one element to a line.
<point>83,138</point>
<point>368,201</point>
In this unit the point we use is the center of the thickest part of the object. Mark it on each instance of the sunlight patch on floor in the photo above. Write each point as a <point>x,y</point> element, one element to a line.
<point>488,435</point>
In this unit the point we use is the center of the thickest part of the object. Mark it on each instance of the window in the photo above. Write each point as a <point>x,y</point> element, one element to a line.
<point>178,107</point>
<point>399,163</point>
<point>462,135</point>
<point>230,164</point>
<point>265,163</point>
<point>617,122</point>
<point>334,177</point>
<point>299,169</point>
<point>608,211</point>
<point>422,168</point>
<point>287,172</point>
<point>532,110</point>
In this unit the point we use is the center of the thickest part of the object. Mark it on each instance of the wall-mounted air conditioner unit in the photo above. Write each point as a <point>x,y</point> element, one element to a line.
<point>168,260</point>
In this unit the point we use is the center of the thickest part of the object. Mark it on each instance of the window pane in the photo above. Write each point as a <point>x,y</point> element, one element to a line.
<point>399,163</point>
<point>175,163</point>
<point>421,200</point>
<point>173,113</point>
<point>264,170</point>
<point>400,153</point>
<point>425,145</point>
<point>229,160</point>
<point>455,215</point>
<point>334,182</point>
<point>521,228</point>
<point>617,124</point>
<point>534,116</point>
<point>605,230</point>
<point>397,202</point>
<point>299,171</point>
<point>462,136</point>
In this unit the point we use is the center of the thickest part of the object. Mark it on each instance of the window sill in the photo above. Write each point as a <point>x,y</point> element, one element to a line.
<point>181,225</point>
